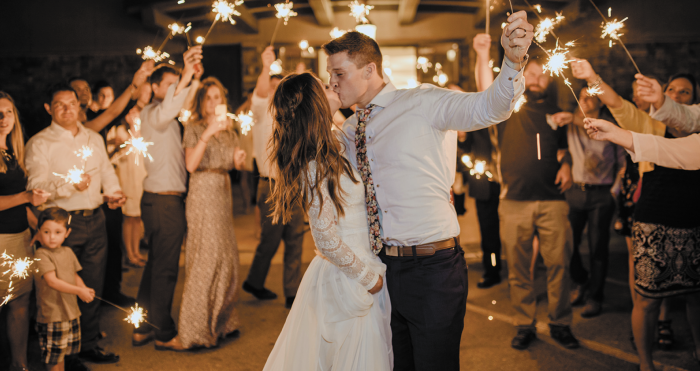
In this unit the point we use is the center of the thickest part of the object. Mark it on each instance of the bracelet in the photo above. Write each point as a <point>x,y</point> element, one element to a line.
<point>596,83</point>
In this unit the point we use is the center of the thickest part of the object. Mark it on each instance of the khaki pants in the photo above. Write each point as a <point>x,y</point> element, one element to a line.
<point>519,221</point>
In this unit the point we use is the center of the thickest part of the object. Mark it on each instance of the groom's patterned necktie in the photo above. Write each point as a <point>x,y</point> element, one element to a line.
<point>375,238</point>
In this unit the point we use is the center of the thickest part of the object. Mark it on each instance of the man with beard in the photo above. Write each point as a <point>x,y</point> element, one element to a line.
<point>532,203</point>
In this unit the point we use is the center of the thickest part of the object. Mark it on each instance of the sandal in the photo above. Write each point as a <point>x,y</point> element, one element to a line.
<point>665,338</point>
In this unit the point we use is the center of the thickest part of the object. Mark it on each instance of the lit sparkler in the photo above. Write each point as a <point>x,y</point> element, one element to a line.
<point>612,29</point>
<point>336,33</point>
<point>304,44</point>
<point>466,160</point>
<point>546,26</point>
<point>176,29</point>
<point>16,268</point>
<point>592,91</point>
<point>519,104</point>
<point>360,11</point>
<point>284,11</point>
<point>557,60</point>
<point>480,169</point>
<point>245,120</point>
<point>224,12</point>
<point>137,145</point>
<point>84,153</point>
<point>137,124</point>
<point>423,64</point>
<point>276,67</point>
<point>136,316</point>
<point>156,55</point>
<point>73,176</point>
<point>185,116</point>
<point>538,7</point>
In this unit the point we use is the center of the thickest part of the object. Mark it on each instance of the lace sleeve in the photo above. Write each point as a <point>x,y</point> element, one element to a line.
<point>323,223</point>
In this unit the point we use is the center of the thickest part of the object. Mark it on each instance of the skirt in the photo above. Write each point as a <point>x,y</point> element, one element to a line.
<point>666,260</point>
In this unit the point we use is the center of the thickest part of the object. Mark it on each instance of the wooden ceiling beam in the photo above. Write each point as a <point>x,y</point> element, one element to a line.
<point>323,11</point>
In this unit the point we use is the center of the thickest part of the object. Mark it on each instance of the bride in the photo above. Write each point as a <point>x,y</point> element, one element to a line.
<point>340,318</point>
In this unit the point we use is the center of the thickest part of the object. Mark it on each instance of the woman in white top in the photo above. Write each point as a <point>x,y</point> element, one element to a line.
<point>340,318</point>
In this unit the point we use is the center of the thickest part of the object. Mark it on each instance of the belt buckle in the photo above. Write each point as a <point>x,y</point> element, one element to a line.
<point>88,212</point>
<point>582,186</point>
<point>390,250</point>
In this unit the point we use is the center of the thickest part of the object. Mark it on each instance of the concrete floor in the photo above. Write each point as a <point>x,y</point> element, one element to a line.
<point>485,341</point>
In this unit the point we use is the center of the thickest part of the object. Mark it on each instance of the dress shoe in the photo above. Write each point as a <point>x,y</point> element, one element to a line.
<point>592,309</point>
<point>563,336</point>
<point>73,363</point>
<point>578,295</point>
<point>260,294</point>
<point>138,340</point>
<point>289,302</point>
<point>120,299</point>
<point>522,340</point>
<point>488,282</point>
<point>98,355</point>
<point>174,344</point>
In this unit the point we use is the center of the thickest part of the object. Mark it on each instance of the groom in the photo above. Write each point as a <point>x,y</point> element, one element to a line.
<point>403,142</point>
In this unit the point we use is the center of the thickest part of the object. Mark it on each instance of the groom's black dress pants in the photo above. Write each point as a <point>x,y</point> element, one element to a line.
<point>428,302</point>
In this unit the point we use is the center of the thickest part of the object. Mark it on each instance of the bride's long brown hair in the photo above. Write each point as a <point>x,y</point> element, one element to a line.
<point>302,133</point>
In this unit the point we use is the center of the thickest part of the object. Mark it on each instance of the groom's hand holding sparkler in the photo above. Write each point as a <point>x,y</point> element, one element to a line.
<point>191,57</point>
<point>517,37</point>
<point>650,90</point>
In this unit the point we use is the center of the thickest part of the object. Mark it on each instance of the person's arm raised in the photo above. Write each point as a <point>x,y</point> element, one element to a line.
<point>482,71</point>
<point>119,104</point>
<point>582,69</point>
<point>262,87</point>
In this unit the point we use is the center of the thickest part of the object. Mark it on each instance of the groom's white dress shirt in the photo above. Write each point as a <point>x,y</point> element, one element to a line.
<point>412,149</point>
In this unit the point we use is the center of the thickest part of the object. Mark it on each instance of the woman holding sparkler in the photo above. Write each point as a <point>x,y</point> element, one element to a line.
<point>15,220</point>
<point>666,223</point>
<point>340,318</point>
<point>208,312</point>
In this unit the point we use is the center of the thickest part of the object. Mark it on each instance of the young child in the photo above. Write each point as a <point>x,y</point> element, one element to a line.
<point>57,285</point>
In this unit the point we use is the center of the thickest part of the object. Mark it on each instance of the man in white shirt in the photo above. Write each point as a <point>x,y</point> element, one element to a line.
<point>404,144</point>
<point>63,146</point>
<point>271,234</point>
<point>162,204</point>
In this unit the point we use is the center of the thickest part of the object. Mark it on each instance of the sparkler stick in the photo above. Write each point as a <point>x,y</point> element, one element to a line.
<point>610,28</point>
<point>539,152</point>
<point>274,33</point>
<point>488,16</point>
<point>137,315</point>
<point>224,11</point>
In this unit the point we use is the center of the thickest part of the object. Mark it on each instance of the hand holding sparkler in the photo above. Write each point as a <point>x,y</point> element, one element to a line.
<point>142,74</point>
<point>650,90</point>
<point>517,37</point>
<point>268,57</point>
<point>37,197</point>
<point>116,201</point>
<point>604,130</point>
<point>86,294</point>
<point>582,70</point>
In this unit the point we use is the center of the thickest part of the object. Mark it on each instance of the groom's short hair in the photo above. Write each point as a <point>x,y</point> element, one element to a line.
<point>361,49</point>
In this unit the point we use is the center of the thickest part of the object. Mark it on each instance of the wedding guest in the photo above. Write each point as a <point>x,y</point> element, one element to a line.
<point>292,232</point>
<point>533,201</point>
<point>681,153</point>
<point>162,204</point>
<point>15,221</point>
<point>55,150</point>
<point>591,205</point>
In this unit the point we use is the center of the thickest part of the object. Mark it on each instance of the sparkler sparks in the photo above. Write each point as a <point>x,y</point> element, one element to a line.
<point>592,91</point>
<point>546,26</point>
<point>557,61</point>
<point>360,11</point>
<point>336,33</point>
<point>245,120</point>
<point>519,104</point>
<point>423,64</point>
<point>156,55</point>
<point>480,169</point>
<point>176,29</point>
<point>137,145</point>
<point>276,67</point>
<point>284,11</point>
<point>84,153</point>
<point>73,176</point>
<point>137,316</point>
<point>185,116</point>
<point>225,10</point>
<point>16,268</point>
<point>440,77</point>
<point>538,7</point>
<point>612,29</point>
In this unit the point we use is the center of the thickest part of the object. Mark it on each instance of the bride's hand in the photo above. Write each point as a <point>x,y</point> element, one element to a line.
<point>377,286</point>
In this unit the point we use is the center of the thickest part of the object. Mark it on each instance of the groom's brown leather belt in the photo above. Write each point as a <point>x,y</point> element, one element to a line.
<point>427,249</point>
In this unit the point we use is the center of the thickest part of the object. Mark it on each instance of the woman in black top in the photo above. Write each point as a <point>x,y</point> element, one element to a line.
<point>14,225</point>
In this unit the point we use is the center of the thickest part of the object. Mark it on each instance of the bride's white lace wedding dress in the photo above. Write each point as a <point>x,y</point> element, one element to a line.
<point>335,323</point>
